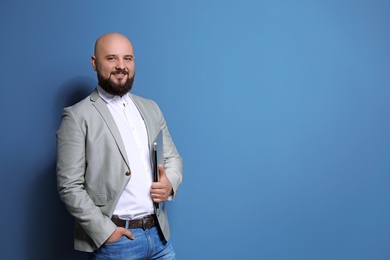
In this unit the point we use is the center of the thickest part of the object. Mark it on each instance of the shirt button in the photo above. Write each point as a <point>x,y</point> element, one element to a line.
<point>128,173</point>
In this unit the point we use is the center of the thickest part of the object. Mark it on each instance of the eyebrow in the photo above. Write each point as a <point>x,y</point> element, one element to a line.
<point>115,55</point>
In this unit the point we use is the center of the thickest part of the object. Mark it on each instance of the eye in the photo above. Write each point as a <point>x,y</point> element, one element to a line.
<point>129,58</point>
<point>110,58</point>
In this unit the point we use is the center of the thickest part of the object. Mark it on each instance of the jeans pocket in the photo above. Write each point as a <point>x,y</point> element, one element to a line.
<point>118,241</point>
<point>117,249</point>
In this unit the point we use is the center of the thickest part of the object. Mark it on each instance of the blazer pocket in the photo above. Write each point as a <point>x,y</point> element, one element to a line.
<point>99,199</point>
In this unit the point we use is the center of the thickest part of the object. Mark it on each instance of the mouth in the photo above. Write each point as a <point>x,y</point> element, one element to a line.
<point>119,74</point>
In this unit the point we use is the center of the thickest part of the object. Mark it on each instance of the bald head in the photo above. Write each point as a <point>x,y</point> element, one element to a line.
<point>109,39</point>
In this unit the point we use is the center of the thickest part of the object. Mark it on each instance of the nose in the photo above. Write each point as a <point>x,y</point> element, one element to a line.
<point>120,64</point>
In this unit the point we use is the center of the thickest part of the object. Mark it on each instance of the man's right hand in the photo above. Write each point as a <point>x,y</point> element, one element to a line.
<point>118,233</point>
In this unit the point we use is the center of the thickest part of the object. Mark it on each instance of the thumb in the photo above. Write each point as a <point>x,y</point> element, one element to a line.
<point>129,234</point>
<point>161,171</point>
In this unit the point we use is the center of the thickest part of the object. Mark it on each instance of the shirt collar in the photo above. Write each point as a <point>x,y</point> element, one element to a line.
<point>110,98</point>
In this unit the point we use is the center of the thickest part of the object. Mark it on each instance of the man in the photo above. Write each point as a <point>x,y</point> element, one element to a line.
<point>104,171</point>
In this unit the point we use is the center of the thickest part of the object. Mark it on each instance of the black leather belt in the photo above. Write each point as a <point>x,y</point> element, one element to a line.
<point>144,223</point>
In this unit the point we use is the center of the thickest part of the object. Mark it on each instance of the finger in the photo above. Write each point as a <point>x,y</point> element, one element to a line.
<point>157,195</point>
<point>157,187</point>
<point>129,235</point>
<point>154,197</point>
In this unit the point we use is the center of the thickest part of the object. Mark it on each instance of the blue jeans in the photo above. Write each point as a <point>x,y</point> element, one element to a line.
<point>147,244</point>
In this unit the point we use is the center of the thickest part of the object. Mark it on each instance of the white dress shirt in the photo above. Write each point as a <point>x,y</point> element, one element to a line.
<point>135,201</point>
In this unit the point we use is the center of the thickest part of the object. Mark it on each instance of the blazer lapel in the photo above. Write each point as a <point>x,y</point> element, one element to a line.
<point>101,106</point>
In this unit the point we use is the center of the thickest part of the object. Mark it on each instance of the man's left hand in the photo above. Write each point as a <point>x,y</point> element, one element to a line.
<point>161,190</point>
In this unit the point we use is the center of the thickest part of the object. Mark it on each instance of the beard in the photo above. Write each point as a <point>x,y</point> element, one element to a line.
<point>116,89</point>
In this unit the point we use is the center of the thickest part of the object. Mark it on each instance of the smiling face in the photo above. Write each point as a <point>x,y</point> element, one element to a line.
<point>113,61</point>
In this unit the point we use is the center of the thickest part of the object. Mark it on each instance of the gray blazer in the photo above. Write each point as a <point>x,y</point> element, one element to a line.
<point>93,169</point>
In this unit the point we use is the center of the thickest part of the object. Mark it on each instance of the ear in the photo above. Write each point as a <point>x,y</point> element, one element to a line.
<point>93,62</point>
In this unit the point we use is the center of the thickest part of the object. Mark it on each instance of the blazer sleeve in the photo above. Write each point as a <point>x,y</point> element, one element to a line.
<point>71,168</point>
<point>173,163</point>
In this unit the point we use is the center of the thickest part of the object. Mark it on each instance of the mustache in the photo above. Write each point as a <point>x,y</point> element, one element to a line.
<point>120,71</point>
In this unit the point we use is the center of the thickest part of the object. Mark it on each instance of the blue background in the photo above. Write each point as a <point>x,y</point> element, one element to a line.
<point>280,110</point>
